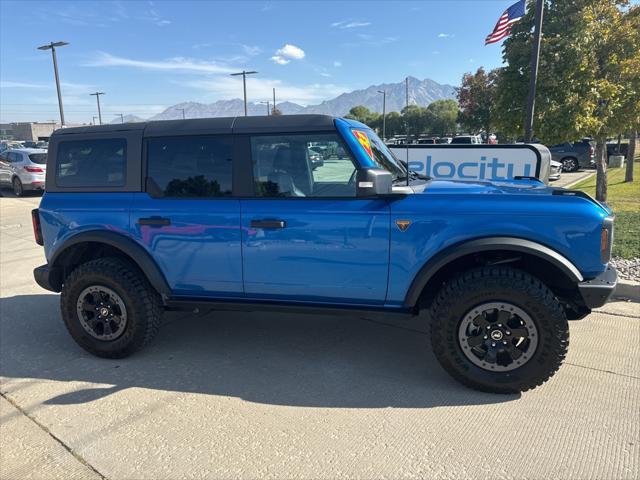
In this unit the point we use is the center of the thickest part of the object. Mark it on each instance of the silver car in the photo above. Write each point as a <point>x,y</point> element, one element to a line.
<point>23,169</point>
<point>555,171</point>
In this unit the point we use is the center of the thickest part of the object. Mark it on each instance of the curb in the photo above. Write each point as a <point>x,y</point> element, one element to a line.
<point>628,289</point>
<point>586,177</point>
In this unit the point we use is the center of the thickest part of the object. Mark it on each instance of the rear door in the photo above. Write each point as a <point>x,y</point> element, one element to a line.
<point>187,217</point>
<point>306,236</point>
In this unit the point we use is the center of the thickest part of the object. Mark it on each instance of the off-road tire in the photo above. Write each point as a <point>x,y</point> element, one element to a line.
<point>499,284</point>
<point>142,302</point>
<point>18,189</point>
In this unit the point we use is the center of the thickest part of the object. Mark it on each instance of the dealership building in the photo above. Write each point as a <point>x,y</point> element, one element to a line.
<point>27,131</point>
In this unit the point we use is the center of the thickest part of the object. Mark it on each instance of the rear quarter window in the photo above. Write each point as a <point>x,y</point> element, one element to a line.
<point>91,163</point>
<point>39,158</point>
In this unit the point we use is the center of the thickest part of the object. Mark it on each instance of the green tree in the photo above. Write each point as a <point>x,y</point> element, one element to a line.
<point>363,114</point>
<point>441,117</point>
<point>476,97</point>
<point>587,78</point>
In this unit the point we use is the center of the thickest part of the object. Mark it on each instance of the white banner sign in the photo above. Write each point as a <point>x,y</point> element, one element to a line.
<point>476,162</point>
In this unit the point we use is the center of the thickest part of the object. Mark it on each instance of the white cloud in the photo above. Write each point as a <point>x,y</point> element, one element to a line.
<point>251,50</point>
<point>291,51</point>
<point>224,87</point>
<point>177,63</point>
<point>9,84</point>
<point>337,63</point>
<point>445,35</point>
<point>287,53</point>
<point>280,60</point>
<point>346,24</point>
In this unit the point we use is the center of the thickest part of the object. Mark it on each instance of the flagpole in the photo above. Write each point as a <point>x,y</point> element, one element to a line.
<point>533,80</point>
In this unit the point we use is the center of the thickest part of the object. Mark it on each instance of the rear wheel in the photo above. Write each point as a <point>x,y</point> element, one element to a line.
<point>18,190</point>
<point>109,308</point>
<point>498,329</point>
<point>570,164</point>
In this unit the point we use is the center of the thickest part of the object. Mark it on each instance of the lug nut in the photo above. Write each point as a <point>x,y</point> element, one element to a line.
<point>504,342</point>
<point>493,344</point>
<point>508,332</point>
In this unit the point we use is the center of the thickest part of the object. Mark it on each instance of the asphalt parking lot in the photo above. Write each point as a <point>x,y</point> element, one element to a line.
<point>237,395</point>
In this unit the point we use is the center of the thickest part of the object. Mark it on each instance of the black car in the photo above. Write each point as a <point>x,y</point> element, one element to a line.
<point>573,156</point>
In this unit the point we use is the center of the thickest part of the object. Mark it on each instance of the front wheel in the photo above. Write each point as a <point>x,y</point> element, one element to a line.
<point>499,330</point>
<point>570,164</point>
<point>109,308</point>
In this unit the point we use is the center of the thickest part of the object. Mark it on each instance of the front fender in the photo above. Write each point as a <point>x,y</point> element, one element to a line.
<point>509,244</point>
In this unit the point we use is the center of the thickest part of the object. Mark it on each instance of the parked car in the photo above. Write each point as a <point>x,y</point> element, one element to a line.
<point>555,170</point>
<point>574,156</point>
<point>23,169</point>
<point>612,149</point>
<point>427,141</point>
<point>445,140</point>
<point>236,219</point>
<point>470,139</point>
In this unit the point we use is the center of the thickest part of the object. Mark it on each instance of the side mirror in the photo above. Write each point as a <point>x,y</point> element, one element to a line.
<point>372,182</point>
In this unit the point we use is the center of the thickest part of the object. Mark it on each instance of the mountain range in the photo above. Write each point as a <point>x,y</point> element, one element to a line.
<point>421,92</point>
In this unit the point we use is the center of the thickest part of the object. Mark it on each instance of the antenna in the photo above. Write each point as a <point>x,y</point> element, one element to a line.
<point>406,143</point>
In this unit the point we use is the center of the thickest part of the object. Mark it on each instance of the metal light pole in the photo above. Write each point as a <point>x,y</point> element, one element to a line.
<point>384,114</point>
<point>97,95</point>
<point>52,46</point>
<point>267,103</point>
<point>121,117</point>
<point>535,60</point>
<point>182,112</point>
<point>244,74</point>
<point>274,98</point>
<point>94,119</point>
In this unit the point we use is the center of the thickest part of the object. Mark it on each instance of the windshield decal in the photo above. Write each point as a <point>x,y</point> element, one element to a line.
<point>363,139</point>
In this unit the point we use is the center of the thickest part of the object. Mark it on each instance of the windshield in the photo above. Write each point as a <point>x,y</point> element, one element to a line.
<point>383,157</point>
<point>39,158</point>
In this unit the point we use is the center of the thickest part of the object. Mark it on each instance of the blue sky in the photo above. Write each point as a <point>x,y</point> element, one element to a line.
<point>147,55</point>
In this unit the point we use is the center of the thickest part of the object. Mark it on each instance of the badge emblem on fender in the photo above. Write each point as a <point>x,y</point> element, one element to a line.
<point>403,225</point>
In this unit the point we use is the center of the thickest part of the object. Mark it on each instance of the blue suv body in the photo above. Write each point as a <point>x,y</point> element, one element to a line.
<point>238,213</point>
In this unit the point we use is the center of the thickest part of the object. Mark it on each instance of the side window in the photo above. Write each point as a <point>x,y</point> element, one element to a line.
<point>304,165</point>
<point>99,162</point>
<point>14,157</point>
<point>189,166</point>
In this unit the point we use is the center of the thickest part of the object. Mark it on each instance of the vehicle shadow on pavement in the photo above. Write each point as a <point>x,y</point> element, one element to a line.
<point>270,358</point>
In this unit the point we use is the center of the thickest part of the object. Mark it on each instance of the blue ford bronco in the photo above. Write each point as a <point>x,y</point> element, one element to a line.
<point>238,213</point>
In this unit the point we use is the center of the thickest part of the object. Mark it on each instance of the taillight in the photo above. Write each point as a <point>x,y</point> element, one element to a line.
<point>37,231</point>
<point>33,169</point>
<point>592,151</point>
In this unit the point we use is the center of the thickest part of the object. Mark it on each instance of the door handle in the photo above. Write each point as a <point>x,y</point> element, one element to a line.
<point>268,224</point>
<point>154,221</point>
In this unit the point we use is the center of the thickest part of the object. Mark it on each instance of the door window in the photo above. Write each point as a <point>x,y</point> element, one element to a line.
<point>91,163</point>
<point>305,165</point>
<point>189,166</point>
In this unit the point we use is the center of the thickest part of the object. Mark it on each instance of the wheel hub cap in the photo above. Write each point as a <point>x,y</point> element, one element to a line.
<point>498,336</point>
<point>101,312</point>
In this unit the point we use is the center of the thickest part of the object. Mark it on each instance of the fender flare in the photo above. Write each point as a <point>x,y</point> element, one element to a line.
<point>138,254</point>
<point>509,244</point>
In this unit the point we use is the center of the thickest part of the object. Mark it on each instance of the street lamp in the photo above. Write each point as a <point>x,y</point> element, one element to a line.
<point>97,95</point>
<point>182,112</point>
<point>384,114</point>
<point>94,119</point>
<point>267,103</point>
<point>121,117</point>
<point>52,46</point>
<point>244,74</point>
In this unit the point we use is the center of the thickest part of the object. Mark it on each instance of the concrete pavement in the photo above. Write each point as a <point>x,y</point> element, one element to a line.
<point>237,395</point>
<point>568,179</point>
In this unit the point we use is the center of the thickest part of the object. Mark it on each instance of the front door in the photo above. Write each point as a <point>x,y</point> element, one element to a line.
<point>306,236</point>
<point>187,218</point>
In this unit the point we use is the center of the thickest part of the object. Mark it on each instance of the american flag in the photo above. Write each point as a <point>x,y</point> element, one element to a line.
<point>503,28</point>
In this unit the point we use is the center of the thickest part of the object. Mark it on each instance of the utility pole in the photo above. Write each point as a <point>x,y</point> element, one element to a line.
<point>406,88</point>
<point>97,95</point>
<point>274,98</point>
<point>244,74</point>
<point>121,117</point>
<point>52,46</point>
<point>535,60</point>
<point>182,112</point>
<point>384,114</point>
<point>94,119</point>
<point>267,103</point>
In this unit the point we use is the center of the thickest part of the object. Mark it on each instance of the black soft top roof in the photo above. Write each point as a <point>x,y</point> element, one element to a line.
<point>200,126</point>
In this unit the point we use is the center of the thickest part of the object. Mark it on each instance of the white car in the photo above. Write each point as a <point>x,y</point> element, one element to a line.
<point>23,169</point>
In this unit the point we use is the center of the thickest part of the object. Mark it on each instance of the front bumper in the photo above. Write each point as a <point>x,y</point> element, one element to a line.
<point>48,278</point>
<point>597,291</point>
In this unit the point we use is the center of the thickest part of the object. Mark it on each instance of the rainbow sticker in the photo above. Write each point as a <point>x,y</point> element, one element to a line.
<point>361,136</point>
